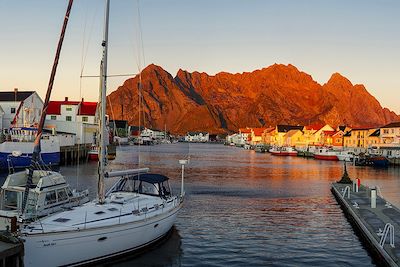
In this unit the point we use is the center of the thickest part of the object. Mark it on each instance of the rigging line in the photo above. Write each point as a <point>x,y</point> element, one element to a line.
<point>108,76</point>
<point>140,99</point>
<point>84,55</point>
<point>113,116</point>
<point>80,88</point>
<point>141,33</point>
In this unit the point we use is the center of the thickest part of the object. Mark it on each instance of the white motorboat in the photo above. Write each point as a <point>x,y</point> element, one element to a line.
<point>325,153</point>
<point>49,194</point>
<point>345,155</point>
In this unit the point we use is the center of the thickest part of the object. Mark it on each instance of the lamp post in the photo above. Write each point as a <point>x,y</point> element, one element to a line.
<point>183,162</point>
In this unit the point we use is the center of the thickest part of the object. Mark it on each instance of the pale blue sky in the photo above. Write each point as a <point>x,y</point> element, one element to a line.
<point>359,39</point>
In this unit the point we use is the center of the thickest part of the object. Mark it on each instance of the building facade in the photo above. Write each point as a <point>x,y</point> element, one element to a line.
<point>390,133</point>
<point>73,117</point>
<point>20,108</point>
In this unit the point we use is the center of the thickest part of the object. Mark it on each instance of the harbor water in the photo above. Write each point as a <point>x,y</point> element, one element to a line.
<point>244,208</point>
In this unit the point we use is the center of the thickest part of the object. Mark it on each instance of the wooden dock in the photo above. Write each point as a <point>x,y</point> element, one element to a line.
<point>376,225</point>
<point>73,154</point>
<point>11,250</point>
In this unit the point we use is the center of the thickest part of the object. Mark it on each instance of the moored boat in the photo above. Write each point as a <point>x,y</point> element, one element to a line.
<point>49,193</point>
<point>283,151</point>
<point>379,161</point>
<point>345,155</point>
<point>17,151</point>
<point>138,210</point>
<point>93,153</point>
<point>325,154</point>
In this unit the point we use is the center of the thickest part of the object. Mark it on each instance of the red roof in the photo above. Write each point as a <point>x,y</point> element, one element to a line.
<point>258,131</point>
<point>315,127</point>
<point>329,133</point>
<point>86,108</point>
<point>245,130</point>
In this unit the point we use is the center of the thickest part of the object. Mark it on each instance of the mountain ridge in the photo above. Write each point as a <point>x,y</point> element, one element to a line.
<point>224,102</point>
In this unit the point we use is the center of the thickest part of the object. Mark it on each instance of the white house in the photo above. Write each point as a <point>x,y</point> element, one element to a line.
<point>151,134</point>
<point>73,117</point>
<point>237,139</point>
<point>390,133</point>
<point>201,137</point>
<point>20,108</point>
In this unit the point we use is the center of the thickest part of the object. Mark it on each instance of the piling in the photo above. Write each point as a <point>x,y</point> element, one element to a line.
<point>72,154</point>
<point>11,250</point>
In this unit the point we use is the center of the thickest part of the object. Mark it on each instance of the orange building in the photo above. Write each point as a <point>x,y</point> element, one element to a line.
<point>332,138</point>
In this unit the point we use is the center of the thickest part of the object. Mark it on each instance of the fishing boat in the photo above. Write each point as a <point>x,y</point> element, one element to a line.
<point>49,193</point>
<point>283,151</point>
<point>16,151</point>
<point>138,210</point>
<point>324,153</point>
<point>379,161</point>
<point>93,153</point>
<point>345,155</point>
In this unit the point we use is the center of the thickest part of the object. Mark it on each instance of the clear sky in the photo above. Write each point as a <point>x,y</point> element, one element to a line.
<point>359,39</point>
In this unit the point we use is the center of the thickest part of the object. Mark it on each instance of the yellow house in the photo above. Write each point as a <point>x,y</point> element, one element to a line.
<point>314,134</point>
<point>361,138</point>
<point>294,138</point>
<point>256,135</point>
<point>281,131</point>
<point>268,136</point>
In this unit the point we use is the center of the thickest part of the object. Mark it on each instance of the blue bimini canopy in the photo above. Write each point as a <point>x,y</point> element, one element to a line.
<point>152,178</point>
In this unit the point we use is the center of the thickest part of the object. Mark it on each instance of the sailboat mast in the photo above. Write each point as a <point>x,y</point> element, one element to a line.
<point>103,132</point>
<point>36,148</point>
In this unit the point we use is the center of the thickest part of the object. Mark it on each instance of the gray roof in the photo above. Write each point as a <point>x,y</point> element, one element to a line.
<point>15,96</point>
<point>376,133</point>
<point>392,125</point>
<point>287,128</point>
<point>196,133</point>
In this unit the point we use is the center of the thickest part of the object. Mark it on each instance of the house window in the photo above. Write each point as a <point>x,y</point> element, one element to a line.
<point>68,118</point>
<point>12,110</point>
<point>53,117</point>
<point>68,109</point>
<point>85,118</point>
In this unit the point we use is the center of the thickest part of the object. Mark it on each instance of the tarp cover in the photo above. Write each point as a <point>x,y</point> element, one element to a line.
<point>152,178</point>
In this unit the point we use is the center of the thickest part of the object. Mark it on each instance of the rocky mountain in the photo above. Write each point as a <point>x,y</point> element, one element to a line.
<point>279,94</point>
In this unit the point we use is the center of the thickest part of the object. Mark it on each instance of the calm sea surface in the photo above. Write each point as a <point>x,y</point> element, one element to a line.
<point>249,209</point>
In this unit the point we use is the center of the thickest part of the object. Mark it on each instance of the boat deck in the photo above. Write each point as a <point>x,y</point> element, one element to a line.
<point>125,207</point>
<point>370,222</point>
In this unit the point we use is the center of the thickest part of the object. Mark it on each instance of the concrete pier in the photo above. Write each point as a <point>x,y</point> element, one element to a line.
<point>371,222</point>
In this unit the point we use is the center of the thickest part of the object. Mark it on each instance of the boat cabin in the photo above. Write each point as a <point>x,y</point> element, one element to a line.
<point>146,183</point>
<point>49,193</point>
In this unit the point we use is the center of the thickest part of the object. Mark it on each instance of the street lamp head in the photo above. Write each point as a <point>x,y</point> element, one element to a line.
<point>183,161</point>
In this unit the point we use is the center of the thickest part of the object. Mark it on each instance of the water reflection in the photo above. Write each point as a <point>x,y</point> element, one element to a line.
<point>244,208</point>
<point>167,252</point>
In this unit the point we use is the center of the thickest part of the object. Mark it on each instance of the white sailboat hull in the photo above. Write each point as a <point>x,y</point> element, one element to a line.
<point>96,244</point>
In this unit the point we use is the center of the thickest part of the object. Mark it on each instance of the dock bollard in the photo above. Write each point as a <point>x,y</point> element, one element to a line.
<point>373,198</point>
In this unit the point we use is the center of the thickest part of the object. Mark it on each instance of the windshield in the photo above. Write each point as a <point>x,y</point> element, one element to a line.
<point>12,200</point>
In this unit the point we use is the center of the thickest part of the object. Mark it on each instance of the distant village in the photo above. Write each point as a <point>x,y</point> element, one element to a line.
<point>74,122</point>
<point>321,135</point>
<point>381,141</point>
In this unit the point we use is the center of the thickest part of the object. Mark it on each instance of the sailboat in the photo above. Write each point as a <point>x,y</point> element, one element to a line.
<point>138,210</point>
